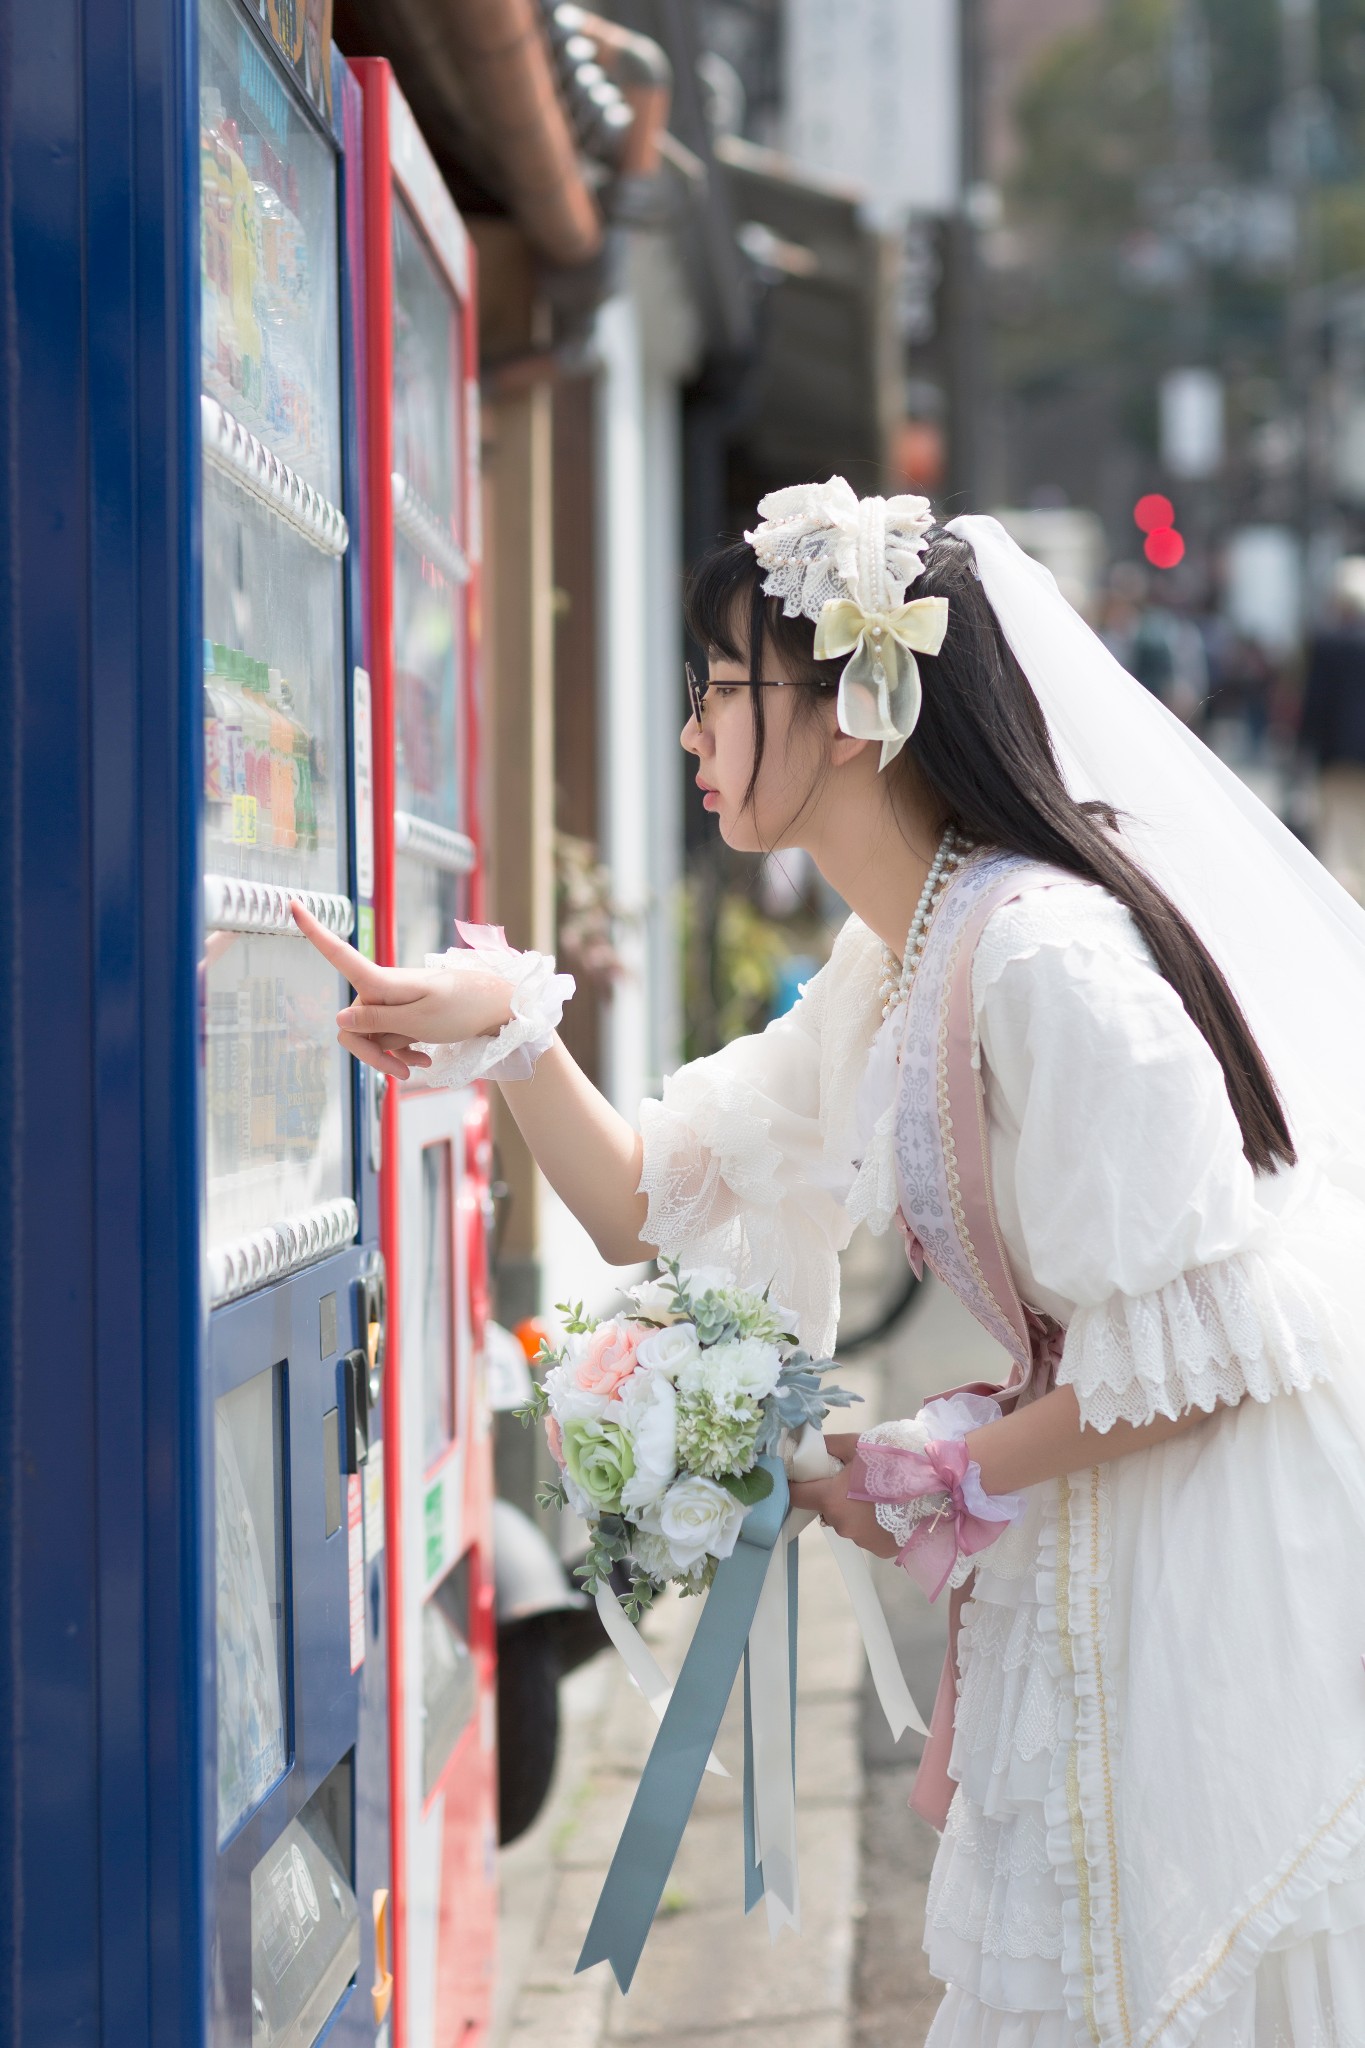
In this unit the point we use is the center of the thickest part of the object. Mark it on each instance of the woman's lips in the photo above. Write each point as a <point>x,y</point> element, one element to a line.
<point>709,800</point>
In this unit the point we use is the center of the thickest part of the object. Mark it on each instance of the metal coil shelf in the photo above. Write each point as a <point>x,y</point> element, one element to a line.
<point>279,1249</point>
<point>235,450</point>
<point>426,532</point>
<point>232,905</point>
<point>434,845</point>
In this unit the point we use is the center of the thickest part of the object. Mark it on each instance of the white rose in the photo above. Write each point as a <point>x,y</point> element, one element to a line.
<point>670,1351</point>
<point>656,1300</point>
<point>569,1402</point>
<point>697,1519</point>
<point>745,1368</point>
<point>649,1416</point>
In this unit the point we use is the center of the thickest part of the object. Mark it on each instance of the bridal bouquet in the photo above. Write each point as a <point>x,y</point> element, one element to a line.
<point>657,1419</point>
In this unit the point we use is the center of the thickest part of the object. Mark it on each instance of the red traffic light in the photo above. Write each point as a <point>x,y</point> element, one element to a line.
<point>1164,547</point>
<point>1152,512</point>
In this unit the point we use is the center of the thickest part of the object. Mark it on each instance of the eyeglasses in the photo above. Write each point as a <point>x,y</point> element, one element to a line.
<point>697,687</point>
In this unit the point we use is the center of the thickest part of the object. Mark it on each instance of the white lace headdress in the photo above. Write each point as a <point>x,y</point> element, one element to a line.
<point>845,562</point>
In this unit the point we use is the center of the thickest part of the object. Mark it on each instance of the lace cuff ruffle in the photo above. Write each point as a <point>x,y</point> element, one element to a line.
<point>1246,1325</point>
<point>537,999</point>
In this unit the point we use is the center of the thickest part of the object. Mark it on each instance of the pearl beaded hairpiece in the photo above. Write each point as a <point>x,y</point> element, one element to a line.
<point>845,563</point>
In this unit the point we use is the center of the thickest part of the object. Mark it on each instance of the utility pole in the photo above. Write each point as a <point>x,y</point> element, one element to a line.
<point>1190,61</point>
<point>966,349</point>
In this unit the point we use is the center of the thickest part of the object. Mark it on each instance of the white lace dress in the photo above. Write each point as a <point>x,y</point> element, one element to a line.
<point>1130,1215</point>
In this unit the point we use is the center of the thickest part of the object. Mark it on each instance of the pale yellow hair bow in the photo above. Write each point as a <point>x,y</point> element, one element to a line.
<point>879,690</point>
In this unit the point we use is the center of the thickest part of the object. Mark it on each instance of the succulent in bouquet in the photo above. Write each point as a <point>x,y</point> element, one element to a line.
<point>657,1418</point>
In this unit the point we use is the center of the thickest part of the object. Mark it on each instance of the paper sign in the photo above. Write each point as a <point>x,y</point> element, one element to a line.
<point>374,1500</point>
<point>355,1562</point>
<point>363,732</point>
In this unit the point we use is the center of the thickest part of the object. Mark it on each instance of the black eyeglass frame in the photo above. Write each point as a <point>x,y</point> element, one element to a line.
<point>697,688</point>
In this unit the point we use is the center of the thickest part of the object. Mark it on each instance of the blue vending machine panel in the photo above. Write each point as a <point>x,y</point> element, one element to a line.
<point>294,1352</point>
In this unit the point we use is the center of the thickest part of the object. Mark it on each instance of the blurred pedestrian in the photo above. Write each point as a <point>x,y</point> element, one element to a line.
<point>1163,650</point>
<point>1333,727</point>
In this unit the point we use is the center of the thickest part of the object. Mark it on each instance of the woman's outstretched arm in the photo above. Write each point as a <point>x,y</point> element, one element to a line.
<point>587,1151</point>
<point>1031,1445</point>
<point>591,1156</point>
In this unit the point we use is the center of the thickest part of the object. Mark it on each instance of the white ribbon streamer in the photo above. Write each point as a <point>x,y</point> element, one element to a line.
<point>641,1663</point>
<point>887,1677</point>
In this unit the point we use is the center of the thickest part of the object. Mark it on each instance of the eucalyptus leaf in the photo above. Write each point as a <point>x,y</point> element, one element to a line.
<point>748,1487</point>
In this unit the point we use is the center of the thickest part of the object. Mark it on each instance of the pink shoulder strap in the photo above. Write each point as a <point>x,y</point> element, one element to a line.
<point>970,1255</point>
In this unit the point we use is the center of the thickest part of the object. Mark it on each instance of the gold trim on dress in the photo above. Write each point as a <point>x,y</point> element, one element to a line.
<point>1073,1779</point>
<point>1259,1907</point>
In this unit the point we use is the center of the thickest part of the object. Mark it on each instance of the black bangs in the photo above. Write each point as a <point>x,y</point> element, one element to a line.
<point>719,594</point>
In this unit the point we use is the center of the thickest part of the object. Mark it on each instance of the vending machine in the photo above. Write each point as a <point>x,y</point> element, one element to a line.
<point>423,545</point>
<point>194,1817</point>
<point>295,1286</point>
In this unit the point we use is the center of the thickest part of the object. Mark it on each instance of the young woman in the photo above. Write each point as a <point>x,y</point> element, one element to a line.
<point>1091,1039</point>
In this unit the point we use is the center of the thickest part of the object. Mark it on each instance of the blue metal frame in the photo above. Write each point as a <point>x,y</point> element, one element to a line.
<point>102,1694</point>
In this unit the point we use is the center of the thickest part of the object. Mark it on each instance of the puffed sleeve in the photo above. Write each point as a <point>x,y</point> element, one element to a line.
<point>738,1171</point>
<point>1125,1193</point>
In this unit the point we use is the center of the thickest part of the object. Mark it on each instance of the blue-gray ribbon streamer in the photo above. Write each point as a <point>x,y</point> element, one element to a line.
<point>753,1866</point>
<point>668,1785</point>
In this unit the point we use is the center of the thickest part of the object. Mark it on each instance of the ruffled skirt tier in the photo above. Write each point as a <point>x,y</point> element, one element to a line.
<point>1003,1918</point>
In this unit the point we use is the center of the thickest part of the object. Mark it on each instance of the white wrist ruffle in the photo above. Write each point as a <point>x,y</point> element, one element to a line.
<point>536,996</point>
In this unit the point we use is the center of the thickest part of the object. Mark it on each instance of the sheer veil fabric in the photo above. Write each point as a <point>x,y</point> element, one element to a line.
<point>1287,936</point>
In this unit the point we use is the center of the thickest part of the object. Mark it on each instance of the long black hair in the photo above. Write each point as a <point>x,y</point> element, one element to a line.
<point>983,751</point>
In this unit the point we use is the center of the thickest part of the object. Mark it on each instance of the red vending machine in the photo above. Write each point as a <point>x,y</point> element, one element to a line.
<point>435,1143</point>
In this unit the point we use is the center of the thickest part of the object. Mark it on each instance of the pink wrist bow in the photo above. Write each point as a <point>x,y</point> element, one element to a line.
<point>971,1520</point>
<point>491,937</point>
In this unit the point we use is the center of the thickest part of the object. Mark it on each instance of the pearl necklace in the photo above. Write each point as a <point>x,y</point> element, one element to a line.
<point>897,975</point>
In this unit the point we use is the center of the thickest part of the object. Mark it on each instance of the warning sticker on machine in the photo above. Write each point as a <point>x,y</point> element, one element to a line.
<point>355,1564</point>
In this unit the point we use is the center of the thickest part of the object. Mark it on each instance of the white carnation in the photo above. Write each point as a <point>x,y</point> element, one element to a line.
<point>744,1369</point>
<point>652,1554</point>
<point>670,1351</point>
<point>649,1416</point>
<point>699,1519</point>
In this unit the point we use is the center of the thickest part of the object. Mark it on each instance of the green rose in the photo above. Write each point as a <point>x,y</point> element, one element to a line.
<point>599,1460</point>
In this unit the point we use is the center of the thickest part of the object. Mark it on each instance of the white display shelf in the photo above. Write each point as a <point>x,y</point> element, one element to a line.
<point>235,450</point>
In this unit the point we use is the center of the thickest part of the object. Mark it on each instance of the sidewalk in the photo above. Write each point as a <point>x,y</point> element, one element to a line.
<point>855,1977</point>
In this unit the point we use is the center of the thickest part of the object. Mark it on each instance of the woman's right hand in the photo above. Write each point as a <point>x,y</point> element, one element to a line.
<point>398,1007</point>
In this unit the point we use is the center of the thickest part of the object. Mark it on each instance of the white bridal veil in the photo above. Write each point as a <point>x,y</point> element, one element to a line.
<point>1287,936</point>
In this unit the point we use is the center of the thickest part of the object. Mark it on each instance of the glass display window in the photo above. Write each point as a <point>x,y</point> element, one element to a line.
<point>429,596</point>
<point>251,1617</point>
<point>277,1116</point>
<point>268,253</point>
<point>436,1337</point>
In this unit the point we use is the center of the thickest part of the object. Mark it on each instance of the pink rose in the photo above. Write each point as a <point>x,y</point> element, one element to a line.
<point>608,1357</point>
<point>555,1439</point>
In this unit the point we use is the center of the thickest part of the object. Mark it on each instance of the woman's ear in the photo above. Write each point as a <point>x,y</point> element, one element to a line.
<point>844,748</point>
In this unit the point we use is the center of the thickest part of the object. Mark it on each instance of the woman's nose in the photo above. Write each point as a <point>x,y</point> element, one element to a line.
<point>690,736</point>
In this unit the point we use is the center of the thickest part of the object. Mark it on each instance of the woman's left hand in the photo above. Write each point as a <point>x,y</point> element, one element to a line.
<point>828,1498</point>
